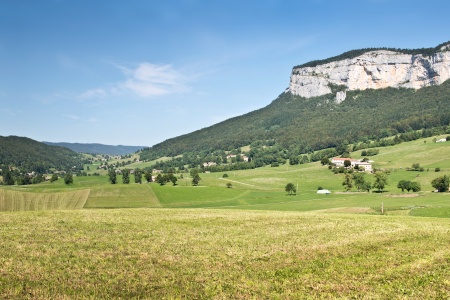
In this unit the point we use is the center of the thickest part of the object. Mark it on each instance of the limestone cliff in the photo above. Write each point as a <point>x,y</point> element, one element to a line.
<point>372,70</point>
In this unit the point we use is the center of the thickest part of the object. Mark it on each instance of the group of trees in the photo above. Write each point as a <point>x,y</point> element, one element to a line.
<point>409,186</point>
<point>162,179</point>
<point>441,184</point>
<point>361,183</point>
<point>138,173</point>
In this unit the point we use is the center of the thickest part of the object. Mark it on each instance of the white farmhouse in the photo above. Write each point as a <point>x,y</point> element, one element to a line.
<point>339,162</point>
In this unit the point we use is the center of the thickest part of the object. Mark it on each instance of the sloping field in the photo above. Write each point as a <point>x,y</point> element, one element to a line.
<point>122,196</point>
<point>11,200</point>
<point>221,254</point>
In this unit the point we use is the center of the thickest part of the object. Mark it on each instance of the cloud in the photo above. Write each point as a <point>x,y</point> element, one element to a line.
<point>9,112</point>
<point>71,117</point>
<point>150,80</point>
<point>94,93</point>
<point>146,81</point>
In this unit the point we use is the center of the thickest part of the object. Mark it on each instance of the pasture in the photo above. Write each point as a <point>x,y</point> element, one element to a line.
<point>221,254</point>
<point>263,188</point>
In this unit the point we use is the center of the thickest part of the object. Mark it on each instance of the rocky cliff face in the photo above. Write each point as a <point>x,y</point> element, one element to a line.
<point>372,70</point>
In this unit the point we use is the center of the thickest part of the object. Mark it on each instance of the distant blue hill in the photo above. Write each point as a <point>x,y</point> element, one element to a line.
<point>98,148</point>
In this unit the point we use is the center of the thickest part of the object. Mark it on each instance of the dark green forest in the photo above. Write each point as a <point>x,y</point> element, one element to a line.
<point>29,155</point>
<point>301,125</point>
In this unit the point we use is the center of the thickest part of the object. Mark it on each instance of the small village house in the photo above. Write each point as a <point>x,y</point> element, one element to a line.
<point>339,162</point>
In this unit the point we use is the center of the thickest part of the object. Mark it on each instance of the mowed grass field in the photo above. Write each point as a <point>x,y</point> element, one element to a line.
<point>221,254</point>
<point>20,201</point>
<point>251,241</point>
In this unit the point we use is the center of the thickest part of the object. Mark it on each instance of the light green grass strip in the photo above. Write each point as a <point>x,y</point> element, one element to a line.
<point>25,201</point>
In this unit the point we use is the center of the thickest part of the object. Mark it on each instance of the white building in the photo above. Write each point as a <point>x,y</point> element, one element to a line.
<point>339,162</point>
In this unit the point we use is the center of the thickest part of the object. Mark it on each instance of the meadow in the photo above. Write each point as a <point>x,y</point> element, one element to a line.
<point>251,241</point>
<point>221,254</point>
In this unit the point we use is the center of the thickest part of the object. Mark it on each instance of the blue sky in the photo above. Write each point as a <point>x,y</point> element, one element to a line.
<point>139,72</point>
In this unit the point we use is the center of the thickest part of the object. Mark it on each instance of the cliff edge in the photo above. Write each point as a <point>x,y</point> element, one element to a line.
<point>372,70</point>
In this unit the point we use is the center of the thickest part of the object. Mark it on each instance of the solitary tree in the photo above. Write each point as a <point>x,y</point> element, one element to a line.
<point>347,163</point>
<point>173,179</point>
<point>68,178</point>
<point>160,179</point>
<point>415,186</point>
<point>324,161</point>
<point>125,176</point>
<point>112,176</point>
<point>359,180</point>
<point>441,183</point>
<point>229,185</point>
<point>367,186</point>
<point>54,177</point>
<point>7,178</point>
<point>137,176</point>
<point>148,176</point>
<point>290,189</point>
<point>403,184</point>
<point>196,179</point>
<point>380,181</point>
<point>347,183</point>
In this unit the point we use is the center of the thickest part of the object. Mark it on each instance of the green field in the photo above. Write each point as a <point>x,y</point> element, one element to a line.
<point>263,188</point>
<point>23,201</point>
<point>251,241</point>
<point>221,254</point>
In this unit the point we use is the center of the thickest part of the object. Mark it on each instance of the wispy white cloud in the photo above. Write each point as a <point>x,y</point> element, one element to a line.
<point>9,112</point>
<point>150,80</point>
<point>73,117</point>
<point>69,63</point>
<point>94,93</point>
<point>146,81</point>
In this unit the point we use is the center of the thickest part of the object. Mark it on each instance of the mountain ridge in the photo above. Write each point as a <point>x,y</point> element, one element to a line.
<point>314,123</point>
<point>372,68</point>
<point>97,148</point>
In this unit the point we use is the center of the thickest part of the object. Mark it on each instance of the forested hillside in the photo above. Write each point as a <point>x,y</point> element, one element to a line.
<point>317,123</point>
<point>98,148</point>
<point>29,155</point>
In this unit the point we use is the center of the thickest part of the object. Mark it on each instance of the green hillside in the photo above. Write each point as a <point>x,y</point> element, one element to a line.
<point>28,155</point>
<point>293,122</point>
<point>95,148</point>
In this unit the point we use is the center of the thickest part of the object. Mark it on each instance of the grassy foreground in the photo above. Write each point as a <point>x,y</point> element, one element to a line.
<point>221,254</point>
